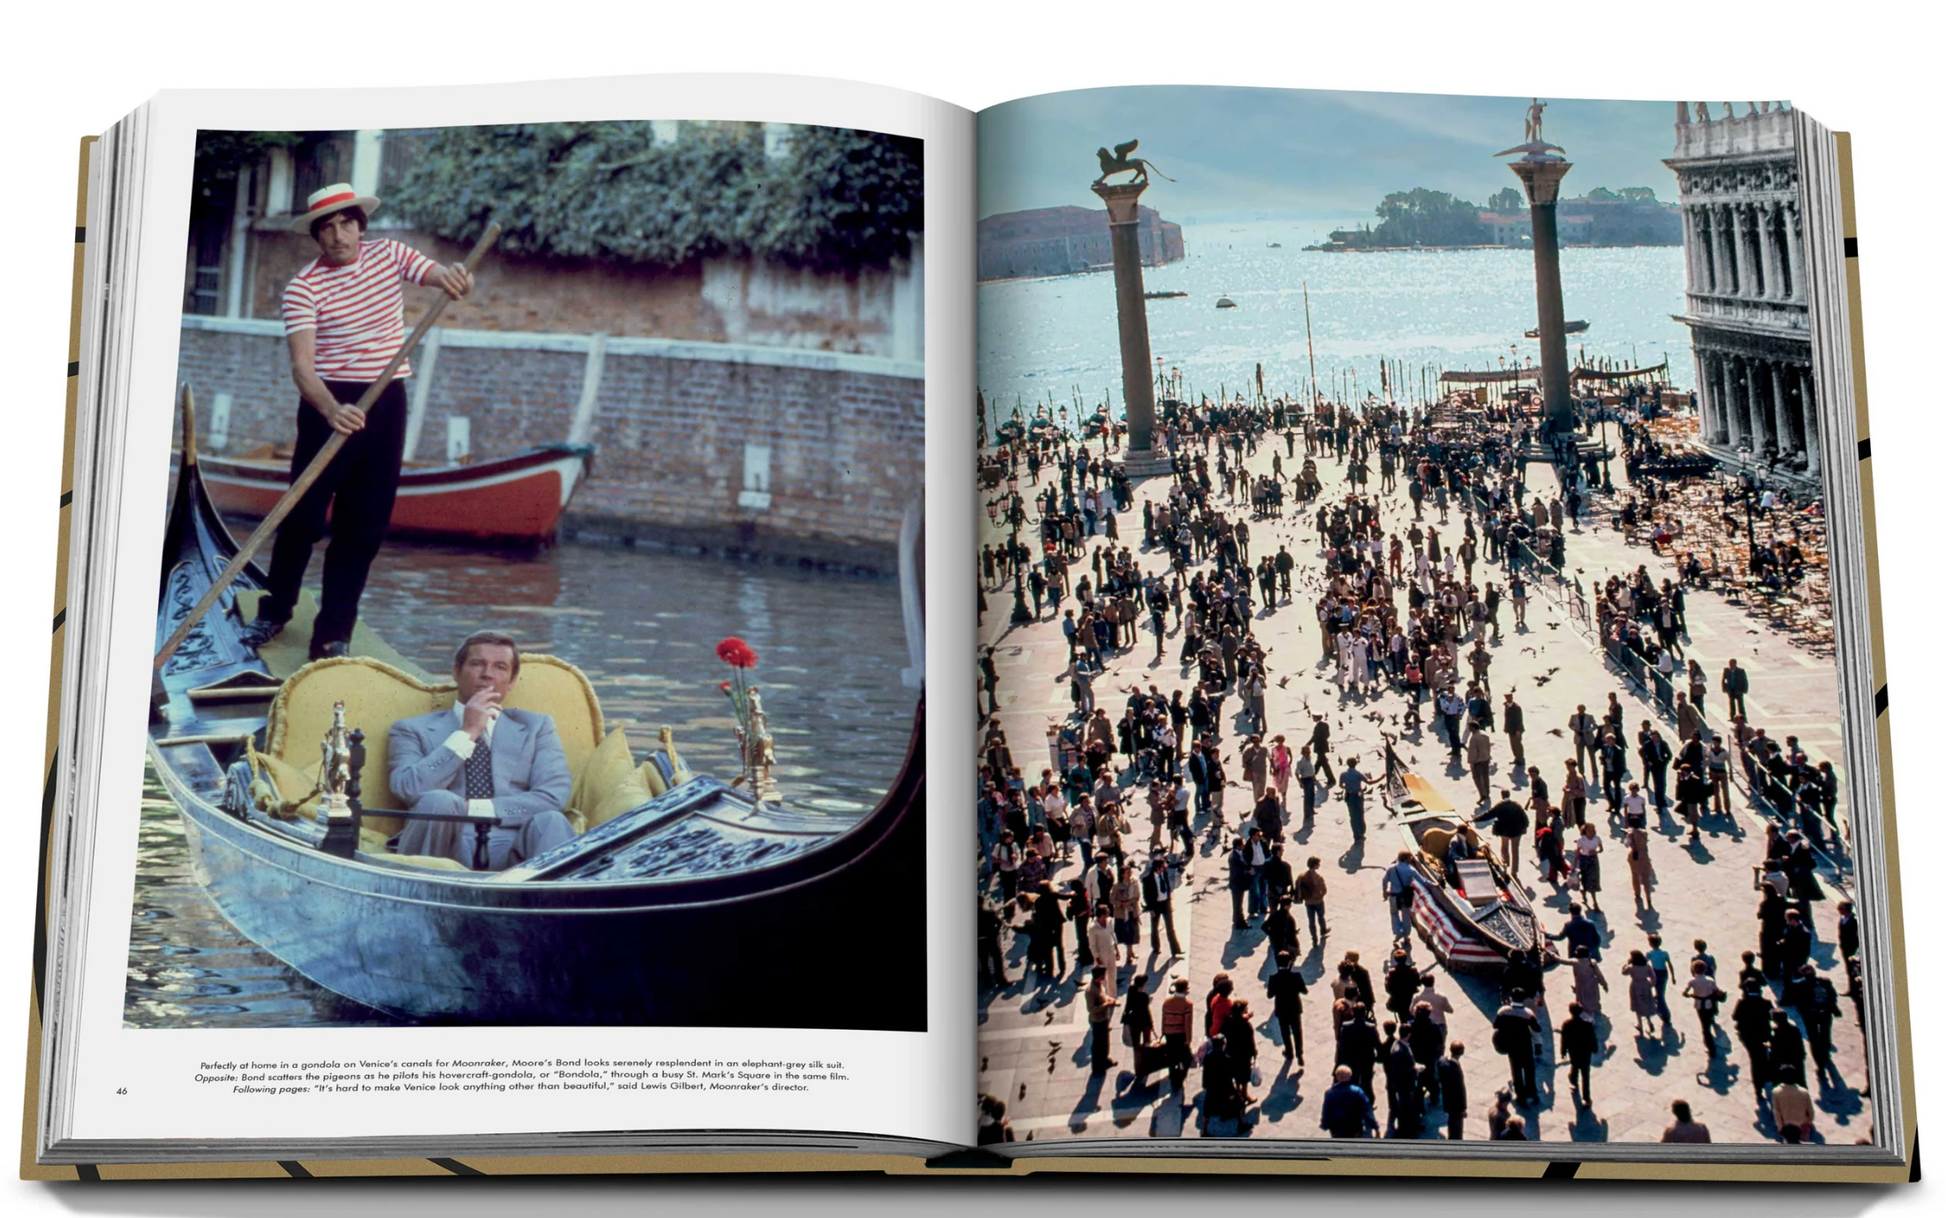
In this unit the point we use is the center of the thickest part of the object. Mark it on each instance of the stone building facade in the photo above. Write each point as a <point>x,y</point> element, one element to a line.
<point>1066,241</point>
<point>1748,299</point>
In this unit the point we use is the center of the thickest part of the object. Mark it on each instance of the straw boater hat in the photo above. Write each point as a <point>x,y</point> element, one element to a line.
<point>333,198</point>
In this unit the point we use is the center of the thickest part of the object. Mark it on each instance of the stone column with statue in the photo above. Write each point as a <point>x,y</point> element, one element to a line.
<point>1143,457</point>
<point>1540,168</point>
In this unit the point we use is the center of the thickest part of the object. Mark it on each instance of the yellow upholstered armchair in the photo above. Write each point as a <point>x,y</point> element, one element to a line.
<point>607,780</point>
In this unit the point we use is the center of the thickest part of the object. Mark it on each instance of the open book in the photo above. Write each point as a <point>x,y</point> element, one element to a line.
<point>1407,695</point>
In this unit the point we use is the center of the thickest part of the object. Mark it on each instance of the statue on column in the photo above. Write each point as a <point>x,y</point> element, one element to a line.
<point>1534,121</point>
<point>1121,162</point>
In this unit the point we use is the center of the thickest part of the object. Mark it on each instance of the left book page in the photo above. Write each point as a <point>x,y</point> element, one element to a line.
<point>650,493</point>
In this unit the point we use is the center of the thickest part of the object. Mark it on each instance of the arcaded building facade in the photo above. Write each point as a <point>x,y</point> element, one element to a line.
<point>1747,304</point>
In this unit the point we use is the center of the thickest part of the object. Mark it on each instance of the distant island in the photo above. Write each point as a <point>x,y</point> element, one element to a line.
<point>1432,219</point>
<point>1066,241</point>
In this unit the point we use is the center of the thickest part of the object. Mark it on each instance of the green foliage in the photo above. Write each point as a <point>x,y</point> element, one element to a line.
<point>1507,199</point>
<point>221,155</point>
<point>840,199</point>
<point>1601,194</point>
<point>1428,217</point>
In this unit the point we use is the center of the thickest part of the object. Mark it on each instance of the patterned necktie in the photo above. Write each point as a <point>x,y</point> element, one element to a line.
<point>479,771</point>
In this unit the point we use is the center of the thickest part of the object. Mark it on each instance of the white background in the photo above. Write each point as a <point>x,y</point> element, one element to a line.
<point>1867,68</point>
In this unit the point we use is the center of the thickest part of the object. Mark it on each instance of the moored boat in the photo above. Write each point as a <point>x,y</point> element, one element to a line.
<point>648,916</point>
<point>512,499</point>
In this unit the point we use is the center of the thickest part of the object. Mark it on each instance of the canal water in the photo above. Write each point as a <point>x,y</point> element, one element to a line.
<point>1452,309</point>
<point>644,627</point>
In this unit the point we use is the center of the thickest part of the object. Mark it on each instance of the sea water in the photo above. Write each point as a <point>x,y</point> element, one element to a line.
<point>1042,339</point>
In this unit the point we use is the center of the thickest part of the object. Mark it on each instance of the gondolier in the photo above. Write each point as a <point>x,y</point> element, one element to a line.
<point>344,318</point>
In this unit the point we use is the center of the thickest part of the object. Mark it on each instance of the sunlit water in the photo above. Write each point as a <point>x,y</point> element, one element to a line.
<point>1459,309</point>
<point>644,627</point>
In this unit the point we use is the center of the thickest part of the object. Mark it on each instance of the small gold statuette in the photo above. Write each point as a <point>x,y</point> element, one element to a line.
<point>334,773</point>
<point>759,752</point>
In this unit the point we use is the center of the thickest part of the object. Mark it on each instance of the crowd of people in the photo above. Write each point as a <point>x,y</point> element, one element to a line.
<point>1415,587</point>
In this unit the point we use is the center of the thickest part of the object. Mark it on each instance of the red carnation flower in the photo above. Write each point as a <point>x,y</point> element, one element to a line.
<point>736,653</point>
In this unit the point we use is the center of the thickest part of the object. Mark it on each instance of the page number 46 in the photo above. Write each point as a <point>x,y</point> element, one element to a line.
<point>121,1091</point>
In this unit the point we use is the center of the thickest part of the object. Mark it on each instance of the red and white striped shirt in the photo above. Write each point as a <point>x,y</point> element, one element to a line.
<point>357,310</point>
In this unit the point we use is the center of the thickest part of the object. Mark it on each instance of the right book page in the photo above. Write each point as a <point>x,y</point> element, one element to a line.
<point>1411,700</point>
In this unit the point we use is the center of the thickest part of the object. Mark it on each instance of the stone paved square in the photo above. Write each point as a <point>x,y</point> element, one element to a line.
<point>1034,1052</point>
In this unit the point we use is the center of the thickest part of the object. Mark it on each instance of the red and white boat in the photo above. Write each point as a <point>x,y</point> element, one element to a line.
<point>512,499</point>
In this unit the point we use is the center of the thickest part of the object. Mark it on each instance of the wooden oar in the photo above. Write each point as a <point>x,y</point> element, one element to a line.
<point>315,469</point>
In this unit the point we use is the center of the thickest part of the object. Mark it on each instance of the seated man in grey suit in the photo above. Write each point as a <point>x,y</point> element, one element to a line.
<point>485,760</point>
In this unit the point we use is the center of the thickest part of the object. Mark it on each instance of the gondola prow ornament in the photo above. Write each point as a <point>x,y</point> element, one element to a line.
<point>338,785</point>
<point>759,753</point>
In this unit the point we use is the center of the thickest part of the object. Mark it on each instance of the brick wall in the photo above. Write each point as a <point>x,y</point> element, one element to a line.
<point>671,421</point>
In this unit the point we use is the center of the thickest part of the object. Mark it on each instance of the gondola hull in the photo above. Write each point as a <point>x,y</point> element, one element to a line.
<point>467,948</point>
<point>510,500</point>
<point>1475,915</point>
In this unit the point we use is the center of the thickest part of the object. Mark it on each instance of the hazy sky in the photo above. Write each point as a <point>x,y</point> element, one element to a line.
<point>1304,154</point>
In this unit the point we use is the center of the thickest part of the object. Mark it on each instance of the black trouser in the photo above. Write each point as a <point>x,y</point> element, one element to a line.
<point>363,480</point>
<point>1579,1072</point>
<point>1290,1025</point>
<point>1098,1056</point>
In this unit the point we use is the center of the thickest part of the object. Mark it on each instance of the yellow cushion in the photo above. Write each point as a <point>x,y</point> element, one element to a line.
<point>611,765</point>
<point>651,778</point>
<point>625,796</point>
<point>1435,841</point>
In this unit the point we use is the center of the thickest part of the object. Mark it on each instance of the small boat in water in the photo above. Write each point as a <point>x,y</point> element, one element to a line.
<point>1470,911</point>
<point>1224,302</point>
<point>646,917</point>
<point>1572,327</point>
<point>514,499</point>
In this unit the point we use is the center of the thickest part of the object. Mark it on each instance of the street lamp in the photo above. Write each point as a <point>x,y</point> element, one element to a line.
<point>1746,474</point>
<point>1021,614</point>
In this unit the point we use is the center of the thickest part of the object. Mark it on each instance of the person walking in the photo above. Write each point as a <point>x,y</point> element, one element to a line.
<point>1702,988</point>
<point>1579,1044</point>
<point>1751,1018</point>
<point>1311,889</point>
<point>1641,871</point>
<point>1736,686</point>
<point>1452,1090</point>
<point>1479,760</point>
<point>1589,982</point>
<point>1514,1029</point>
<point>1178,1025</point>
<point>1587,865</point>
<point>1641,992</point>
<point>1101,1008</point>
<point>1286,989</point>
<point>1510,825</point>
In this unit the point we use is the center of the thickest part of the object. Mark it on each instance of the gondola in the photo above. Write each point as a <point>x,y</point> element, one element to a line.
<point>697,905</point>
<point>1472,914</point>
<point>515,499</point>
